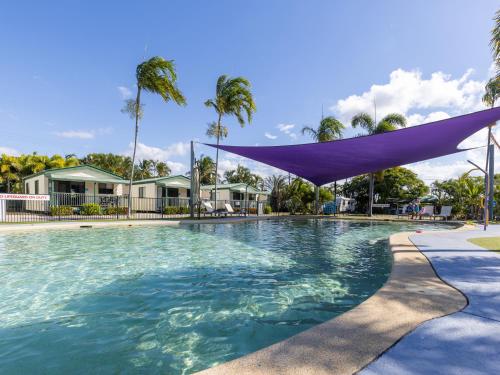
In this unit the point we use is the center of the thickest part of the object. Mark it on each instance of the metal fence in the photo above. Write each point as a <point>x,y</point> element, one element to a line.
<point>65,206</point>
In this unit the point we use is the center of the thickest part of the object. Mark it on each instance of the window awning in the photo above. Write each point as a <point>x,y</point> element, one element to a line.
<point>326,162</point>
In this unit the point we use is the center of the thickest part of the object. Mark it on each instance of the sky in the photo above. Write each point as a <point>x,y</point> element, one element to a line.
<point>66,68</point>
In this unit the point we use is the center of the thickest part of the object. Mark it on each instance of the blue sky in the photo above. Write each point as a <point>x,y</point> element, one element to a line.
<point>67,66</point>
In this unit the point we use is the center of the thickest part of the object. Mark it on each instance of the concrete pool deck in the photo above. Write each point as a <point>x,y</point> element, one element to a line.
<point>344,345</point>
<point>466,342</point>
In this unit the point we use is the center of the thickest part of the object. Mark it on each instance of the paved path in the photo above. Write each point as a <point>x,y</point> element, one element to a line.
<point>466,342</point>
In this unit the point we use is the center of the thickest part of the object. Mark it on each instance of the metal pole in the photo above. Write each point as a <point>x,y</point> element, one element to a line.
<point>191,196</point>
<point>485,208</point>
<point>491,180</point>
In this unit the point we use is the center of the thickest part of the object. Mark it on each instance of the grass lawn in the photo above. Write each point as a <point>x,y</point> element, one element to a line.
<point>490,243</point>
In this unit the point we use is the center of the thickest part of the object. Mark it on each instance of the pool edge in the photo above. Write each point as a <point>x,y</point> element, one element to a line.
<point>412,295</point>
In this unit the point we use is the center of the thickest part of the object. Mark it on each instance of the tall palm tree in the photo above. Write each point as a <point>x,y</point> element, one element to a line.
<point>329,129</point>
<point>156,76</point>
<point>388,123</point>
<point>495,42</point>
<point>232,98</point>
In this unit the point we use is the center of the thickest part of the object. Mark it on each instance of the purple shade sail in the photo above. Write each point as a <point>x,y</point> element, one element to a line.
<point>326,162</point>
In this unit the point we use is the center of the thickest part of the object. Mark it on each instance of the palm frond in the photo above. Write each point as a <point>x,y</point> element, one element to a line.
<point>395,119</point>
<point>492,92</point>
<point>158,76</point>
<point>363,120</point>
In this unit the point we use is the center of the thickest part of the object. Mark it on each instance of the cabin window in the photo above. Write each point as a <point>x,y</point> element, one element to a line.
<point>105,188</point>
<point>37,187</point>
<point>238,196</point>
<point>27,189</point>
<point>172,192</point>
<point>251,197</point>
<point>141,192</point>
<point>188,193</point>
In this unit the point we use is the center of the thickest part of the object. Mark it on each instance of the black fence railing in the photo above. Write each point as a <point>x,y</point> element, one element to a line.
<point>65,206</point>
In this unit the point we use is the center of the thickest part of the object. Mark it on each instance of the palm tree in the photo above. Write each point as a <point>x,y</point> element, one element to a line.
<point>388,123</point>
<point>276,184</point>
<point>329,129</point>
<point>206,168</point>
<point>156,76</point>
<point>495,42</point>
<point>9,170</point>
<point>492,92</point>
<point>161,169</point>
<point>232,98</point>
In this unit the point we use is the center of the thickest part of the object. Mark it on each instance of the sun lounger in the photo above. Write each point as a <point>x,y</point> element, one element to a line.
<point>445,213</point>
<point>208,208</point>
<point>426,211</point>
<point>229,209</point>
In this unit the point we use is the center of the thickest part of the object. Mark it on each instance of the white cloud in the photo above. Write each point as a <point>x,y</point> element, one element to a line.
<point>80,134</point>
<point>287,129</point>
<point>162,154</point>
<point>270,136</point>
<point>176,167</point>
<point>409,91</point>
<point>9,151</point>
<point>125,92</point>
<point>157,153</point>
<point>417,118</point>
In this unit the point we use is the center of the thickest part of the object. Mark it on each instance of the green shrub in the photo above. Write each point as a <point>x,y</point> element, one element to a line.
<point>90,209</point>
<point>267,210</point>
<point>171,210</point>
<point>115,211</point>
<point>61,210</point>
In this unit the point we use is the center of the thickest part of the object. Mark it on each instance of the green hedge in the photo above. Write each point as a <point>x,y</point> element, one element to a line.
<point>61,210</point>
<point>170,210</point>
<point>115,211</point>
<point>90,209</point>
<point>267,210</point>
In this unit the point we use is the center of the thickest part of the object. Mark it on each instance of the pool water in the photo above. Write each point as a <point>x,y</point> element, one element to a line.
<point>165,300</point>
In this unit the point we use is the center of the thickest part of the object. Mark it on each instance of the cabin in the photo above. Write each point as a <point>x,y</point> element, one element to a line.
<point>238,195</point>
<point>74,186</point>
<point>154,194</point>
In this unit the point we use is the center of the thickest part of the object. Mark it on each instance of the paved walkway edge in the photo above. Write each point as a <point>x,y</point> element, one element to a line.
<point>412,295</point>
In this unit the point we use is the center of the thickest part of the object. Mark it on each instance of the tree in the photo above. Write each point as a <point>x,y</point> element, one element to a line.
<point>329,129</point>
<point>117,164</point>
<point>492,92</point>
<point>399,183</point>
<point>232,98</point>
<point>206,169</point>
<point>495,42</point>
<point>276,184</point>
<point>144,169</point>
<point>161,169</point>
<point>388,123</point>
<point>242,175</point>
<point>156,76</point>
<point>9,171</point>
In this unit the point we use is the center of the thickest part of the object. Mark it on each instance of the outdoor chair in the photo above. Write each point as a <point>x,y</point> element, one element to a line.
<point>445,213</point>
<point>230,210</point>
<point>426,211</point>
<point>208,208</point>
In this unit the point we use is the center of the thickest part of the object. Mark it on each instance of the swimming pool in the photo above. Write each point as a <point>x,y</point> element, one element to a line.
<point>178,300</point>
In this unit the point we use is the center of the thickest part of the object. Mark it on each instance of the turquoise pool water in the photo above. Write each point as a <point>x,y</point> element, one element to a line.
<point>163,300</point>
